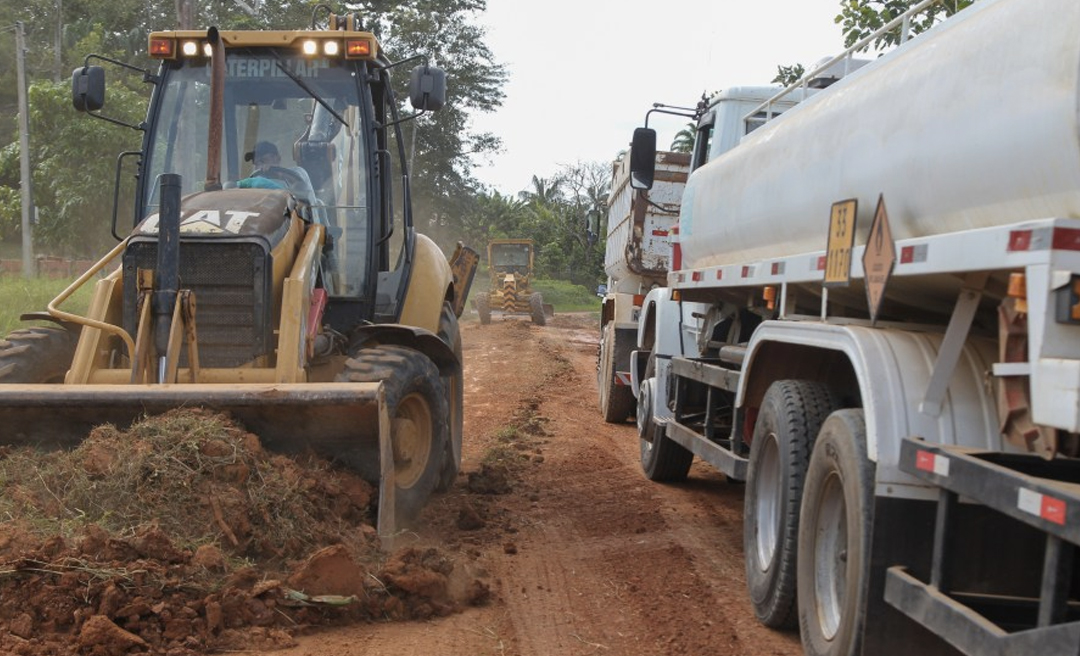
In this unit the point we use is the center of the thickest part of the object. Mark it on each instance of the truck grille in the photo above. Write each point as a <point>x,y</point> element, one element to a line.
<point>231,282</point>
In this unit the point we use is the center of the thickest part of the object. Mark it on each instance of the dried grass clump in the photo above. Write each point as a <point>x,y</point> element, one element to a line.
<point>197,476</point>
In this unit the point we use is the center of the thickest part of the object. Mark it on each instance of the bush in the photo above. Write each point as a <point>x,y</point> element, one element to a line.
<point>566,296</point>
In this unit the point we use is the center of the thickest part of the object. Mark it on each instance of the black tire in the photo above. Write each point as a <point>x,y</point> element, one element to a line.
<point>662,460</point>
<point>536,308</point>
<point>416,403</point>
<point>483,308</point>
<point>834,546</point>
<point>790,417</point>
<point>40,354</point>
<point>454,384</point>
<point>616,401</point>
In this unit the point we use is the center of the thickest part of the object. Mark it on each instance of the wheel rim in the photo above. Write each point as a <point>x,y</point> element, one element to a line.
<point>830,556</point>
<point>767,492</point>
<point>412,429</point>
<point>644,417</point>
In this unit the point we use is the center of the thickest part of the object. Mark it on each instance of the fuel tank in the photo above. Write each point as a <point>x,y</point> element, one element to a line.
<point>972,124</point>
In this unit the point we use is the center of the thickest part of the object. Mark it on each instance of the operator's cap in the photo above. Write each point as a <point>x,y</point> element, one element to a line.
<point>262,149</point>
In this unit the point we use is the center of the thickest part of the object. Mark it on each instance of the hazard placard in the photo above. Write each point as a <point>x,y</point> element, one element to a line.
<point>879,258</point>
<point>841,242</point>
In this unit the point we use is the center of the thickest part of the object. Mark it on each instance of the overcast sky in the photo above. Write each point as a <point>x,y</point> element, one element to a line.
<point>584,72</point>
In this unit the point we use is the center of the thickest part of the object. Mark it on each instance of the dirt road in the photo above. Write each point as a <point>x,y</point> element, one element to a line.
<point>582,554</point>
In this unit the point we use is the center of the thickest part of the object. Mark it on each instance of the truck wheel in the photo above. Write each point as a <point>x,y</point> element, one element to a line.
<point>662,460</point>
<point>417,405</point>
<point>483,308</point>
<point>536,308</point>
<point>454,384</point>
<point>834,546</point>
<point>616,401</point>
<point>40,354</point>
<point>791,415</point>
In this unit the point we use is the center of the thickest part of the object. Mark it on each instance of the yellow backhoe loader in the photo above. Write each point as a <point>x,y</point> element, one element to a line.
<point>510,262</point>
<point>271,269</point>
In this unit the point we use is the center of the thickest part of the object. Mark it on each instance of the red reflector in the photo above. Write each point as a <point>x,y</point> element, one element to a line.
<point>162,47</point>
<point>821,263</point>
<point>1019,240</point>
<point>357,48</point>
<point>1066,239</point>
<point>924,460</point>
<point>639,299</point>
<point>676,256</point>
<point>660,233</point>
<point>1053,510</point>
<point>719,274</point>
<point>696,276</point>
<point>747,272</point>
<point>907,255</point>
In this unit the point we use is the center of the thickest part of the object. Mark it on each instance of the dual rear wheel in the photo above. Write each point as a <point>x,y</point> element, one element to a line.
<point>808,517</point>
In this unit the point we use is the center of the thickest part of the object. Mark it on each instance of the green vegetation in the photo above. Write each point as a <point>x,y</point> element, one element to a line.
<point>567,297</point>
<point>19,295</point>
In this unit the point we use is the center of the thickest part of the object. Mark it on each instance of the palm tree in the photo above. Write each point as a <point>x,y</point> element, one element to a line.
<point>684,140</point>
<point>544,192</point>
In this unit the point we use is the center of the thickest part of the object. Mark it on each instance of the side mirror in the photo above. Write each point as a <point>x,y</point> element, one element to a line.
<point>643,158</point>
<point>88,88</point>
<point>427,88</point>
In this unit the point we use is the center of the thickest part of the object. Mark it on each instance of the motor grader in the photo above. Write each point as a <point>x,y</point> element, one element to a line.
<point>300,299</point>
<point>510,263</point>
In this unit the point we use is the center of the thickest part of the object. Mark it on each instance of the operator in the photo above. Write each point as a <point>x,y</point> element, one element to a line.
<point>269,174</point>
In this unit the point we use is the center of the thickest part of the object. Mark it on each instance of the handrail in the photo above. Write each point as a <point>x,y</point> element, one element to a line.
<point>903,19</point>
<point>86,321</point>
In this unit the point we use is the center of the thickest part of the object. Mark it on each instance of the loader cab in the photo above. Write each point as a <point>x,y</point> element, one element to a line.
<point>323,102</point>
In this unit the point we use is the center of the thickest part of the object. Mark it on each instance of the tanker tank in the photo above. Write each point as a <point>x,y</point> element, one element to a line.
<point>972,124</point>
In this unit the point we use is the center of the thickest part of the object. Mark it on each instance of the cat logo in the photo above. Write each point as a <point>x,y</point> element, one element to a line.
<point>204,222</point>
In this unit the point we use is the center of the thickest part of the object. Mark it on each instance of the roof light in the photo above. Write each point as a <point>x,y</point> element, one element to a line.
<point>208,50</point>
<point>163,48</point>
<point>331,48</point>
<point>358,48</point>
<point>190,48</point>
<point>310,47</point>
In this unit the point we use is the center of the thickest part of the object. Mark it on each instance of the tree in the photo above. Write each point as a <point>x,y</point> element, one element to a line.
<point>788,75</point>
<point>684,139</point>
<point>861,18</point>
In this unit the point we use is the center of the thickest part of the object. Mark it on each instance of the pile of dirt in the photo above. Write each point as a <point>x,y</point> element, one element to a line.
<point>182,535</point>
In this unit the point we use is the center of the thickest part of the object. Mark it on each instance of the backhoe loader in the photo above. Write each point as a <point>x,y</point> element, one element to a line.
<point>295,295</point>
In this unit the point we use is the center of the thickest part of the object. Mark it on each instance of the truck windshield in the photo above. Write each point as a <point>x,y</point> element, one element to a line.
<point>275,134</point>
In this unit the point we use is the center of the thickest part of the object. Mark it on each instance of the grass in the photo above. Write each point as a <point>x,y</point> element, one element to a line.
<point>19,295</point>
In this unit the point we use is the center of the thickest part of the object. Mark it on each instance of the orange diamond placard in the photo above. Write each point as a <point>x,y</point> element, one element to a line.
<point>879,258</point>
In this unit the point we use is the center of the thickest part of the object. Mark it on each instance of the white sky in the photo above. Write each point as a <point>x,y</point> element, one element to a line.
<point>582,73</point>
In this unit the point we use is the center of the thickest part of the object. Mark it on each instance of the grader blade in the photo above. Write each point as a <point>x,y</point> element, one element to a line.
<point>338,421</point>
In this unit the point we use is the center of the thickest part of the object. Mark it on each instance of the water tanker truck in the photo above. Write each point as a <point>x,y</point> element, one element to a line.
<point>872,319</point>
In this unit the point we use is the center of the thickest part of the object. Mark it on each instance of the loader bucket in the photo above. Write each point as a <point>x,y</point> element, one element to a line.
<point>343,422</point>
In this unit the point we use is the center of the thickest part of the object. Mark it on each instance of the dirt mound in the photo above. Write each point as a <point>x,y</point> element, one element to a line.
<point>182,535</point>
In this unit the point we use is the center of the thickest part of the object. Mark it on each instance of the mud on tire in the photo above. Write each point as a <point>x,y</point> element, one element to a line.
<point>36,355</point>
<point>417,405</point>
<point>536,308</point>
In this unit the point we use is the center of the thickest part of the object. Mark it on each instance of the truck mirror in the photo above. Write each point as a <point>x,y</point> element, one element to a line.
<point>643,158</point>
<point>88,88</point>
<point>427,88</point>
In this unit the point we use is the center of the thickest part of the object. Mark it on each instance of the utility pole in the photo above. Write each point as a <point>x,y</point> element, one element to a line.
<point>24,153</point>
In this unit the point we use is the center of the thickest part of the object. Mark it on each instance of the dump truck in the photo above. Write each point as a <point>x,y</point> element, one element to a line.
<point>271,269</point>
<point>872,320</point>
<point>636,258</point>
<point>510,264</point>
